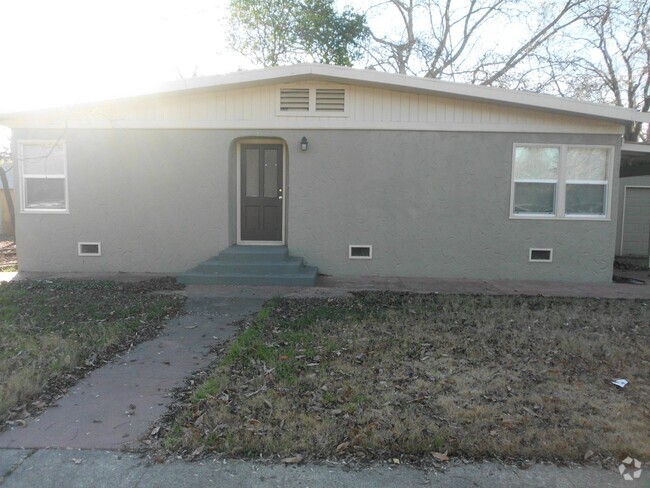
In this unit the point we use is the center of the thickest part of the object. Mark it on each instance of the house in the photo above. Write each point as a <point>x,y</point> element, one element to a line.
<point>357,172</point>
<point>6,227</point>
<point>633,222</point>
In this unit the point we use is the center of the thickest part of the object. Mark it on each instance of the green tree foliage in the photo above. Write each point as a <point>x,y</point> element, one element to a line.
<point>273,32</point>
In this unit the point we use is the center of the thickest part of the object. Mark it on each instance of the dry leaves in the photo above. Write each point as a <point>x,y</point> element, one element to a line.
<point>292,460</point>
<point>440,456</point>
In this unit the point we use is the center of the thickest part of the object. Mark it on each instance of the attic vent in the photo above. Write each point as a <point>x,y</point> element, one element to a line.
<point>360,252</point>
<point>540,255</point>
<point>90,248</point>
<point>330,100</point>
<point>294,99</point>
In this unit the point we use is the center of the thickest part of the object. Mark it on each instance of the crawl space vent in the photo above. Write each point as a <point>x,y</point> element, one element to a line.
<point>540,255</point>
<point>360,252</point>
<point>90,249</point>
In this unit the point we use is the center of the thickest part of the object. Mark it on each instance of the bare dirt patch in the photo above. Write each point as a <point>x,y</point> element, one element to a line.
<point>8,260</point>
<point>417,378</point>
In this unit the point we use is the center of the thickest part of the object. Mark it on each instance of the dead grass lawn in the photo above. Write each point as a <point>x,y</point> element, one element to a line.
<point>386,375</point>
<point>53,331</point>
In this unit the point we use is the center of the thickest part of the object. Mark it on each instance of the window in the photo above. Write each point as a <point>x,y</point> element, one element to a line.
<point>536,177</point>
<point>43,176</point>
<point>312,101</point>
<point>586,181</point>
<point>561,181</point>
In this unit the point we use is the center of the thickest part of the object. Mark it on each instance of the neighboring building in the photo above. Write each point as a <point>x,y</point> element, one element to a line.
<point>359,172</point>
<point>6,227</point>
<point>633,230</point>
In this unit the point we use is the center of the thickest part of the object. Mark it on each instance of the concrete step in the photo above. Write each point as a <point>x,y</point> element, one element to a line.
<point>249,254</point>
<point>215,265</point>
<point>252,265</point>
<point>306,277</point>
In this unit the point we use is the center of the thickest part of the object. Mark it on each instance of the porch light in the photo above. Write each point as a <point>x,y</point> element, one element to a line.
<point>303,143</point>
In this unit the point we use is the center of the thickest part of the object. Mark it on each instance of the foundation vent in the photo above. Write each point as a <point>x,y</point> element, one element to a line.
<point>360,252</point>
<point>536,255</point>
<point>89,248</point>
<point>294,100</point>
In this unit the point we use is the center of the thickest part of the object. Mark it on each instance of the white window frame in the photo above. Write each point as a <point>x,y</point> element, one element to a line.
<point>560,189</point>
<point>22,176</point>
<point>312,101</point>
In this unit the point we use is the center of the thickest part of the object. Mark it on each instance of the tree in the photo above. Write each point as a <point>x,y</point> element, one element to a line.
<point>5,161</point>
<point>394,54</point>
<point>273,32</point>
<point>452,39</point>
<point>607,59</point>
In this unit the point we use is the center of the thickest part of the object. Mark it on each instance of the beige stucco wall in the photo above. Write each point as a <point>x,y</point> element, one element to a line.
<point>430,204</point>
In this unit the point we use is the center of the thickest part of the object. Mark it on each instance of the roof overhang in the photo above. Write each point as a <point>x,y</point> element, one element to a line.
<point>636,147</point>
<point>345,75</point>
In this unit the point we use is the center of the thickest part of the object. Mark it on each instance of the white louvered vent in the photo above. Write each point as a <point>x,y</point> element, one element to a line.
<point>330,100</point>
<point>294,99</point>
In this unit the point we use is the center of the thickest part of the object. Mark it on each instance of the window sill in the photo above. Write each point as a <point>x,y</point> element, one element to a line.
<point>596,218</point>
<point>45,211</point>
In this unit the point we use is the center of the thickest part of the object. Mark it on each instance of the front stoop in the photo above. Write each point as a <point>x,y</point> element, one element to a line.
<point>252,265</point>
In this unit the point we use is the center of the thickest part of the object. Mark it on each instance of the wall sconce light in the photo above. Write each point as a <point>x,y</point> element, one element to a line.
<point>303,143</point>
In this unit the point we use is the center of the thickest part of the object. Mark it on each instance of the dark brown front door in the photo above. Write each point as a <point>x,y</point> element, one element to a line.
<point>261,192</point>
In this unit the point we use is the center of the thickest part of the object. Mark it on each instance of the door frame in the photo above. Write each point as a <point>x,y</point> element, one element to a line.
<point>284,190</point>
<point>623,214</point>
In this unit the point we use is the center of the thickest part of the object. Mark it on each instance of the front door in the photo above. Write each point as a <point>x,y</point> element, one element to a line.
<point>261,192</point>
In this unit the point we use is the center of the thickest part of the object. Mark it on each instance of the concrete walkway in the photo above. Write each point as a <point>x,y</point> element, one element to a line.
<point>109,469</point>
<point>328,285</point>
<point>493,287</point>
<point>114,406</point>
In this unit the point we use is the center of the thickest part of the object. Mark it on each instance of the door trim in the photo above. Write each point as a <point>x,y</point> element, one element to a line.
<point>284,191</point>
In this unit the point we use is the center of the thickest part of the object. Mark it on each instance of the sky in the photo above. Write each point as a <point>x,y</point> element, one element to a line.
<point>70,51</point>
<point>60,52</point>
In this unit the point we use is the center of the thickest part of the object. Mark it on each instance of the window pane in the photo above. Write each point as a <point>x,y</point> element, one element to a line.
<point>584,163</point>
<point>585,199</point>
<point>252,173</point>
<point>45,193</point>
<point>43,159</point>
<point>539,163</point>
<point>535,198</point>
<point>270,173</point>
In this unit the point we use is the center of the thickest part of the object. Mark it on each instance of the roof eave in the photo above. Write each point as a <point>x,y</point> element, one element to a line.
<point>636,147</point>
<point>339,74</point>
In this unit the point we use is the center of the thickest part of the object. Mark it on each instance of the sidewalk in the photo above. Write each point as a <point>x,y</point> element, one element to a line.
<point>106,469</point>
